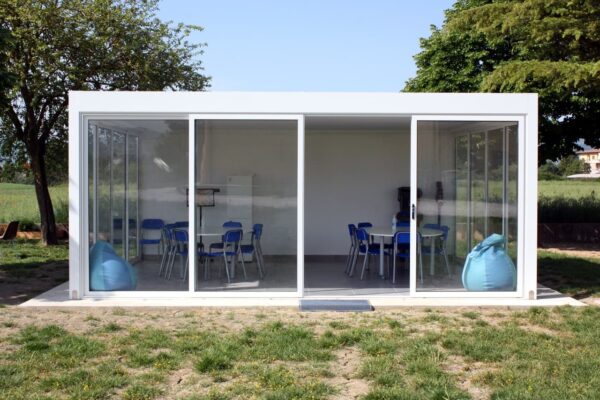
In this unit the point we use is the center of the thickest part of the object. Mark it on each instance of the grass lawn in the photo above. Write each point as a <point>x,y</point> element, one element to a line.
<point>568,188</point>
<point>578,277</point>
<point>193,354</point>
<point>18,202</point>
<point>282,354</point>
<point>27,269</point>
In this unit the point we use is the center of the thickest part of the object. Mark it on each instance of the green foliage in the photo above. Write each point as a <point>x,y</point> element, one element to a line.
<point>61,46</point>
<point>571,165</point>
<point>569,210</point>
<point>547,47</point>
<point>548,171</point>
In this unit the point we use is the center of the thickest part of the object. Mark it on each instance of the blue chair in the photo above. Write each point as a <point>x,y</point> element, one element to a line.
<point>390,246</point>
<point>365,225</point>
<point>231,250</point>
<point>180,240</point>
<point>254,248</point>
<point>169,248</point>
<point>401,245</point>
<point>181,224</point>
<point>152,224</point>
<point>365,248</point>
<point>353,247</point>
<point>440,248</point>
<point>227,224</point>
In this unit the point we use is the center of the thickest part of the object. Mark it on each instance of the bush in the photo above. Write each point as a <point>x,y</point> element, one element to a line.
<point>569,210</point>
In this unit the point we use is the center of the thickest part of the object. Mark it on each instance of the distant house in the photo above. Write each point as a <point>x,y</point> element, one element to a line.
<point>592,158</point>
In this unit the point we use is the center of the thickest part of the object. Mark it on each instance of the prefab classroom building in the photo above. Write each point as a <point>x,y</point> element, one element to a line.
<point>304,166</point>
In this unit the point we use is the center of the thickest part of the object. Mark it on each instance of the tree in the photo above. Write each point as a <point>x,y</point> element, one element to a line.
<point>63,45</point>
<point>548,171</point>
<point>571,165</point>
<point>550,47</point>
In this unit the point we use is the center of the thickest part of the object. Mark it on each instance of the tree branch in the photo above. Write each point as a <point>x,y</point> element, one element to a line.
<point>49,124</point>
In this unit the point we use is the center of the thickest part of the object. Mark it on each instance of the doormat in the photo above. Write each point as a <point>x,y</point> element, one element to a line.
<point>336,305</point>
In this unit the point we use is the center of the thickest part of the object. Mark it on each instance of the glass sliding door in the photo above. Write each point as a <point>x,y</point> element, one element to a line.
<point>246,205</point>
<point>138,173</point>
<point>466,219</point>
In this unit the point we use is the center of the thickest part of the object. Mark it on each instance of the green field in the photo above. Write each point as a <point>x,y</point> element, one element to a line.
<point>573,189</point>
<point>18,202</point>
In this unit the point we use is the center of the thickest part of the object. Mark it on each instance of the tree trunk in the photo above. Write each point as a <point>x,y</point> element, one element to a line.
<point>38,167</point>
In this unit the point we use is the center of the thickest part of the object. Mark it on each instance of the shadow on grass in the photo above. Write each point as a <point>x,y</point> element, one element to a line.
<point>28,268</point>
<point>575,276</point>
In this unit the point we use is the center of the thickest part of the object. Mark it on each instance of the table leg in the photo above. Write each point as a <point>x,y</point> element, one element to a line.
<point>381,272</point>
<point>432,256</point>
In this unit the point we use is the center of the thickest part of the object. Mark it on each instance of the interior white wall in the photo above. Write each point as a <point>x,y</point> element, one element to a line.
<point>351,176</point>
<point>265,150</point>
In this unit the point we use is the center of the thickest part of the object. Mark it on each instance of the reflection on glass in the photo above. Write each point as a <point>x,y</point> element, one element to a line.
<point>138,176</point>
<point>468,174</point>
<point>246,178</point>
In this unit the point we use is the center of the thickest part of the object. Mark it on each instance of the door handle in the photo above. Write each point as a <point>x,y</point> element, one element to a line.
<point>413,211</point>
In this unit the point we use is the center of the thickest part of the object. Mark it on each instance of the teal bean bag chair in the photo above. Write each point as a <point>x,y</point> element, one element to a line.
<point>488,268</point>
<point>108,271</point>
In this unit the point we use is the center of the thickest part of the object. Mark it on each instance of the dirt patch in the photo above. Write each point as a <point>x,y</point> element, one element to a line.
<point>346,381</point>
<point>465,373</point>
<point>16,288</point>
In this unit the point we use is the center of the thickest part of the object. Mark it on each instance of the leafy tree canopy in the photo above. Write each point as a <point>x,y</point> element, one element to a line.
<point>549,47</point>
<point>63,45</point>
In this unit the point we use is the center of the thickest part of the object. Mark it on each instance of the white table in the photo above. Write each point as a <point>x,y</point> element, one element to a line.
<point>387,232</point>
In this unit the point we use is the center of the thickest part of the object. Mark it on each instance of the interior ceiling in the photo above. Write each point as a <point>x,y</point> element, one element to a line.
<point>354,122</point>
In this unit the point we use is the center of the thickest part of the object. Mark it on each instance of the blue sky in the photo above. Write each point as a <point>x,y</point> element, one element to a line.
<point>308,45</point>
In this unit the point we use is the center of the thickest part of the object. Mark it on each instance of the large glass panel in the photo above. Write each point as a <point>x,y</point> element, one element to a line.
<point>132,197</point>
<point>467,215</point>
<point>246,177</point>
<point>139,185</point>
<point>103,182</point>
<point>117,193</point>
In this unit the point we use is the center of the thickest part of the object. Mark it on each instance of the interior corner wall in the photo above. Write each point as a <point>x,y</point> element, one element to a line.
<point>351,176</point>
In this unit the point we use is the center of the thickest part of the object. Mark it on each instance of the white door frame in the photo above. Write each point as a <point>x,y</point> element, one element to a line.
<point>521,135</point>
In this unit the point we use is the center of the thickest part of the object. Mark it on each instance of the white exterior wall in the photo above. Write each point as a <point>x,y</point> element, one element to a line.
<point>168,105</point>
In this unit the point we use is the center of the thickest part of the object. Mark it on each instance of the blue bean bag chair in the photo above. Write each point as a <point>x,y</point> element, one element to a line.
<point>488,267</point>
<point>108,271</point>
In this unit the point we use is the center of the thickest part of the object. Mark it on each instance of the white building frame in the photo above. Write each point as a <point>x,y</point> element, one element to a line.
<point>190,106</point>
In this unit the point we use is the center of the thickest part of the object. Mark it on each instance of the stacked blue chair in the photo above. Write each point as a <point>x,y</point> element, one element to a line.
<point>180,239</point>
<point>169,249</point>
<point>156,225</point>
